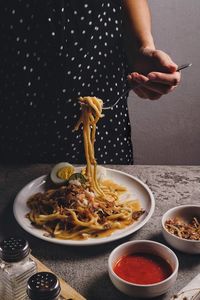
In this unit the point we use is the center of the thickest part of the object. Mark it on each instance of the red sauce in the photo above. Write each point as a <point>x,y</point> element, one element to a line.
<point>142,268</point>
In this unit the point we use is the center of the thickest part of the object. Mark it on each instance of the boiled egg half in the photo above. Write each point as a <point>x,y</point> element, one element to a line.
<point>61,172</point>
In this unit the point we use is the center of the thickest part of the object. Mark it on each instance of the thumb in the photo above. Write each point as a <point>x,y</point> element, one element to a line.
<point>164,61</point>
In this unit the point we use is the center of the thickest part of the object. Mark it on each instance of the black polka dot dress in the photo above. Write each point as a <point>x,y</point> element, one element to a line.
<point>53,52</point>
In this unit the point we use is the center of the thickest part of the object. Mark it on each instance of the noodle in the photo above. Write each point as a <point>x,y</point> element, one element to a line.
<point>83,210</point>
<point>91,108</point>
<point>189,231</point>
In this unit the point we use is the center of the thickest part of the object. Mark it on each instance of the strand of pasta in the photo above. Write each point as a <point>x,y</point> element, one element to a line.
<point>91,112</point>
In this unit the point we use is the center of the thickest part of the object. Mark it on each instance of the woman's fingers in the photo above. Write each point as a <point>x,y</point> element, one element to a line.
<point>154,85</point>
<point>140,93</point>
<point>159,88</point>
<point>148,93</point>
<point>135,78</point>
<point>172,79</point>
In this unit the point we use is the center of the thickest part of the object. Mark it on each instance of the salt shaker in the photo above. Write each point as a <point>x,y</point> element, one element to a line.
<point>16,267</point>
<point>44,286</point>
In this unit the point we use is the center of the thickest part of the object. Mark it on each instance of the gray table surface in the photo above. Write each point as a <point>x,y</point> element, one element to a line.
<point>85,268</point>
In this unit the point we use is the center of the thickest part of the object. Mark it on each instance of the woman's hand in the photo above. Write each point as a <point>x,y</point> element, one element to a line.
<point>155,72</point>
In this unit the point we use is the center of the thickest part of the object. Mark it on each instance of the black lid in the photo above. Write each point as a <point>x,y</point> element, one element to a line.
<point>43,286</point>
<point>14,249</point>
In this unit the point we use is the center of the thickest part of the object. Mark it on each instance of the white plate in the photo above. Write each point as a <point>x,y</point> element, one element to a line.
<point>136,189</point>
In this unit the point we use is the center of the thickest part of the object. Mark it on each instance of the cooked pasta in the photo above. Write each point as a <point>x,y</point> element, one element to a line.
<point>82,209</point>
<point>74,212</point>
<point>189,231</point>
<point>91,108</point>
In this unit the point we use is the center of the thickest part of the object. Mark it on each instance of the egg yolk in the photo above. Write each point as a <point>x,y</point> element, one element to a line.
<point>65,172</point>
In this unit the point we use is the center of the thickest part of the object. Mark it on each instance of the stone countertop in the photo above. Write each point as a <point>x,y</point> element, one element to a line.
<point>85,268</point>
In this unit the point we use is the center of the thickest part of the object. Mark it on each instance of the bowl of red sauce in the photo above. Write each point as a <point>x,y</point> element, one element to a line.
<point>143,268</point>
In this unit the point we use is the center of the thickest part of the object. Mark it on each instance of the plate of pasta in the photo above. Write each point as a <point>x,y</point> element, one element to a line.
<point>84,206</point>
<point>91,221</point>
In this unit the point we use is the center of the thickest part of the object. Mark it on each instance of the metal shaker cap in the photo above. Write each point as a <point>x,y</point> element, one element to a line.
<point>14,249</point>
<point>43,286</point>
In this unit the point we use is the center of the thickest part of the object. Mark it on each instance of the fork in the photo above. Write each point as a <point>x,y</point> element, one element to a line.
<point>181,67</point>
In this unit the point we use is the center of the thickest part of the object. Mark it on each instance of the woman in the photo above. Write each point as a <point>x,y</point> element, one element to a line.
<point>55,51</point>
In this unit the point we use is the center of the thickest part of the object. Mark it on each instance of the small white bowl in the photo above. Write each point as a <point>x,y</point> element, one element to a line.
<point>185,212</point>
<point>143,290</point>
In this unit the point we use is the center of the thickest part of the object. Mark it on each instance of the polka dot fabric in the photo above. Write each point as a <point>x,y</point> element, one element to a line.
<point>53,52</point>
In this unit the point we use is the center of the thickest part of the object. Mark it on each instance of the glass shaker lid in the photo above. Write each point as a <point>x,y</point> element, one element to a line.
<point>14,249</point>
<point>43,286</point>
